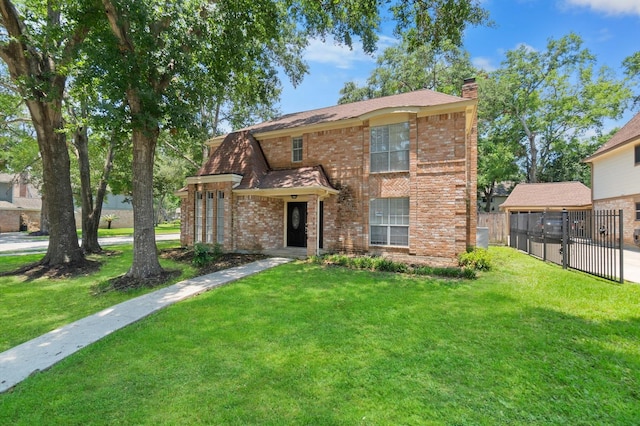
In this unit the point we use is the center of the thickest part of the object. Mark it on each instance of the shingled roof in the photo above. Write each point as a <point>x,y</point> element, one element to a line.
<point>628,133</point>
<point>240,154</point>
<point>416,99</point>
<point>552,195</point>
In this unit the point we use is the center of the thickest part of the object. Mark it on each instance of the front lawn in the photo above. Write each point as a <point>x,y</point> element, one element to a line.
<point>31,307</point>
<point>526,343</point>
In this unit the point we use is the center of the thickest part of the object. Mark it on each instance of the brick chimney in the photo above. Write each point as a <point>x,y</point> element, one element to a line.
<point>470,88</point>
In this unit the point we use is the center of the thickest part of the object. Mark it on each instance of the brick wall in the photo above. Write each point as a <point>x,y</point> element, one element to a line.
<point>10,220</point>
<point>628,207</point>
<point>258,223</point>
<point>437,185</point>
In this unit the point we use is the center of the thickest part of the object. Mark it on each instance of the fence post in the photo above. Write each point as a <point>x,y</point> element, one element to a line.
<point>621,244</point>
<point>565,235</point>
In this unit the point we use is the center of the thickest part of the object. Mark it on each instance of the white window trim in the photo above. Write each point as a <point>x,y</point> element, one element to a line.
<point>388,226</point>
<point>295,149</point>
<point>388,168</point>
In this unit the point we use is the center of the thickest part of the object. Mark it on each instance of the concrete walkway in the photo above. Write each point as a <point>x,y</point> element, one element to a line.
<point>38,354</point>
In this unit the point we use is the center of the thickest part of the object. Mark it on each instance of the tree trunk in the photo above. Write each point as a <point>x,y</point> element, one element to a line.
<point>89,224</point>
<point>44,215</point>
<point>91,212</point>
<point>145,253</point>
<point>63,240</point>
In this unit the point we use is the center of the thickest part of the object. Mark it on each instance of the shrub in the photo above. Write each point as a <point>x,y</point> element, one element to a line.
<point>477,259</point>
<point>204,254</point>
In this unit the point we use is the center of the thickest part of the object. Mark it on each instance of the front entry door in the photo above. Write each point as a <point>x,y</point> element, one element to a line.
<point>297,224</point>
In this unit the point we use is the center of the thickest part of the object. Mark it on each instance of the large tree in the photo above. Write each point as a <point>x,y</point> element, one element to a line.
<point>166,56</point>
<point>403,69</point>
<point>549,102</point>
<point>39,44</point>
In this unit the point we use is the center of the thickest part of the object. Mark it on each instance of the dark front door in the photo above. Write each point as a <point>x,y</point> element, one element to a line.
<point>297,224</point>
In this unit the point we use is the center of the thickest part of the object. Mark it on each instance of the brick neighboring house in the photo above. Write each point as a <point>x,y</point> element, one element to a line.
<point>393,176</point>
<point>20,204</point>
<point>615,178</point>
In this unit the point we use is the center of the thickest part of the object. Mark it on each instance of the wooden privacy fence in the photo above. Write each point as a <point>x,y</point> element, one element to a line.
<point>497,224</point>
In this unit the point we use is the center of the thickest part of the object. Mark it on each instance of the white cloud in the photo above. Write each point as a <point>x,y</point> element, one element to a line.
<point>610,7</point>
<point>483,63</point>
<point>329,52</point>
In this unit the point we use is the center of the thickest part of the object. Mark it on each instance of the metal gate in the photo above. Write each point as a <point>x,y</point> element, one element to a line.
<point>586,240</point>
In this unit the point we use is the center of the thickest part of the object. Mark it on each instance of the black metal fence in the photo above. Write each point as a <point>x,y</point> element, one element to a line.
<point>586,240</point>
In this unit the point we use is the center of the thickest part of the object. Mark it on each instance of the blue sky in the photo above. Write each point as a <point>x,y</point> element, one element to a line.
<point>609,28</point>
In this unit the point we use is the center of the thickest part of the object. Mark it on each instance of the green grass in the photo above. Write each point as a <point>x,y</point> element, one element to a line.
<point>164,228</point>
<point>30,308</point>
<point>526,343</point>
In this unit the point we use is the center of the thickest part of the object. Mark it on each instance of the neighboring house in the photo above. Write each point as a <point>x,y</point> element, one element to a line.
<point>499,196</point>
<point>20,204</point>
<point>393,175</point>
<point>115,205</point>
<point>615,178</point>
<point>548,196</point>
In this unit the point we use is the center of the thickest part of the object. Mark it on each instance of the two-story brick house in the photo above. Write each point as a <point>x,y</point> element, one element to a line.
<point>394,175</point>
<point>615,178</point>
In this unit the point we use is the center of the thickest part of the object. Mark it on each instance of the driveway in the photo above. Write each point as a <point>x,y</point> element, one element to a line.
<point>17,242</point>
<point>632,265</point>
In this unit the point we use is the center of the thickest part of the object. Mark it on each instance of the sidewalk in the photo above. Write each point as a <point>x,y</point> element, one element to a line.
<point>17,243</point>
<point>18,363</point>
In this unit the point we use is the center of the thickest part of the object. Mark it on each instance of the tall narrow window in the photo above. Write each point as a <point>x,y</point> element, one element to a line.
<point>390,148</point>
<point>198,217</point>
<point>209,217</point>
<point>220,218</point>
<point>637,211</point>
<point>389,222</point>
<point>296,150</point>
<point>637,155</point>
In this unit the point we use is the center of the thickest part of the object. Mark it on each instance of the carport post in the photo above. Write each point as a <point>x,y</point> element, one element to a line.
<point>565,234</point>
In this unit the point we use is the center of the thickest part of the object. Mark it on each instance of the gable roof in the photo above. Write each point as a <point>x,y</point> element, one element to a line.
<point>553,195</point>
<point>239,154</point>
<point>417,99</point>
<point>628,133</point>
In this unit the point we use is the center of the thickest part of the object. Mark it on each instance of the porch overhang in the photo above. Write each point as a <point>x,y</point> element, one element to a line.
<point>290,193</point>
<point>235,179</point>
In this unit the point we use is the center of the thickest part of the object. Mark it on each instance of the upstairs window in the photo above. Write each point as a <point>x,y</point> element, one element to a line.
<point>296,150</point>
<point>390,148</point>
<point>637,211</point>
<point>637,152</point>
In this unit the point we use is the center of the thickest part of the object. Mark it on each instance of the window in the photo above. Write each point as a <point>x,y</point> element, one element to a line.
<point>220,218</point>
<point>296,150</point>
<point>390,148</point>
<point>637,155</point>
<point>637,211</point>
<point>389,221</point>
<point>209,218</point>
<point>198,227</point>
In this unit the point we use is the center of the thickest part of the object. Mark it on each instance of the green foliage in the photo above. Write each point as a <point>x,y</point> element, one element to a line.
<point>400,69</point>
<point>203,254</point>
<point>477,259</point>
<point>541,105</point>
